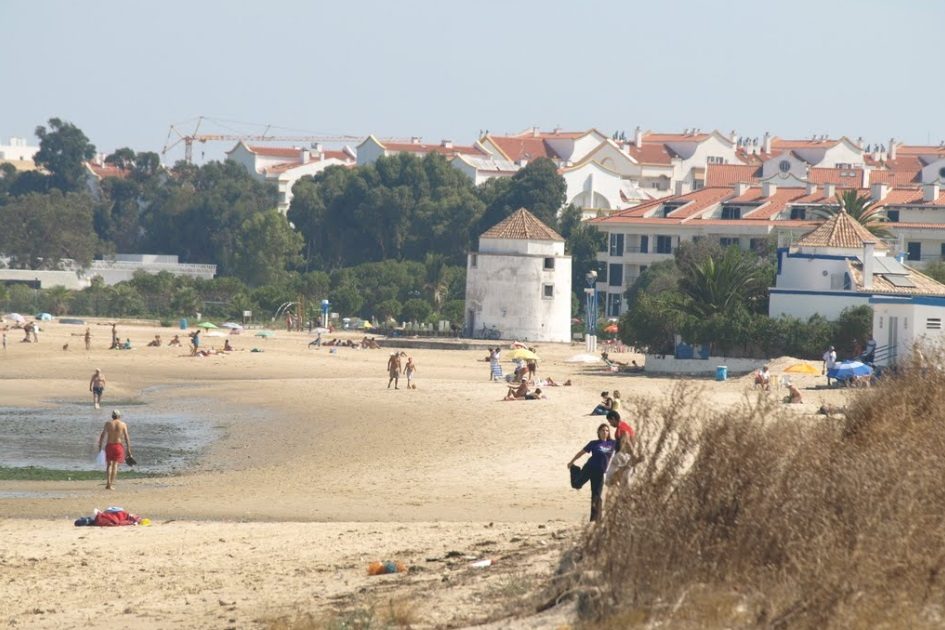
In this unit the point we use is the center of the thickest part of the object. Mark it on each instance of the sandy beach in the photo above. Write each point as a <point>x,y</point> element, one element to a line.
<point>316,470</point>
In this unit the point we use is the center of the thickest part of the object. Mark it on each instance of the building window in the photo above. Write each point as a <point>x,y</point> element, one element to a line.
<point>644,244</point>
<point>758,245</point>
<point>616,244</point>
<point>602,273</point>
<point>731,212</point>
<point>942,251</point>
<point>473,260</point>
<point>799,214</point>
<point>698,184</point>
<point>549,264</point>
<point>728,241</point>
<point>933,323</point>
<point>715,159</point>
<point>547,291</point>
<point>667,210</point>
<point>664,244</point>
<point>613,305</point>
<point>915,250</point>
<point>784,166</point>
<point>892,216</point>
<point>615,276</point>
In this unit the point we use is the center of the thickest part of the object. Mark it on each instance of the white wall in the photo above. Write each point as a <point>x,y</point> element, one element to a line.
<point>660,364</point>
<point>369,151</point>
<point>590,185</point>
<point>524,247</point>
<point>507,292</point>
<point>46,279</point>
<point>802,306</point>
<point>773,166</point>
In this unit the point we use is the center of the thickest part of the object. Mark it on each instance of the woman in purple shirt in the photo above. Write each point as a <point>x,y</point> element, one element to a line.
<point>600,451</point>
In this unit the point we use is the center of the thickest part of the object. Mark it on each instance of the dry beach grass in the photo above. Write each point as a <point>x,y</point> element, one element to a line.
<point>319,470</point>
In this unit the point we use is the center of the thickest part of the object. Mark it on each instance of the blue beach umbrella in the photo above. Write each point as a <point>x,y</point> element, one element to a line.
<point>848,369</point>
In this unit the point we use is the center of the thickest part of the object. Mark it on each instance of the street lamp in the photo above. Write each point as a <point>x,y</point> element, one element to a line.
<point>590,293</point>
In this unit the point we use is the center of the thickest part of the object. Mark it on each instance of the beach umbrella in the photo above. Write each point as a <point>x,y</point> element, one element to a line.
<point>232,325</point>
<point>521,353</point>
<point>265,333</point>
<point>44,317</point>
<point>367,325</point>
<point>206,325</point>
<point>584,357</point>
<point>611,328</point>
<point>848,369</point>
<point>802,368</point>
<point>15,317</point>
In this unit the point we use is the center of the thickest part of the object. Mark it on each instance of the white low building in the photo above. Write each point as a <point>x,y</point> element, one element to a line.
<point>519,282</point>
<point>121,267</point>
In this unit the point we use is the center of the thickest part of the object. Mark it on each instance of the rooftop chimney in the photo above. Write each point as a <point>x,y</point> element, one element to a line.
<point>811,188</point>
<point>683,188</point>
<point>733,136</point>
<point>319,149</point>
<point>767,143</point>
<point>830,190</point>
<point>892,148</point>
<point>930,191</point>
<point>638,137</point>
<point>446,144</point>
<point>535,132</point>
<point>868,262</point>
<point>741,188</point>
<point>415,140</point>
<point>304,156</point>
<point>768,189</point>
<point>878,191</point>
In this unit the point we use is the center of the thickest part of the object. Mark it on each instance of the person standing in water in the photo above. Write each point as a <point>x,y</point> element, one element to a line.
<point>116,442</point>
<point>97,387</point>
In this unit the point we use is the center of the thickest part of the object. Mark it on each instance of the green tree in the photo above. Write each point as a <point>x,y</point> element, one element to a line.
<point>416,310</point>
<point>537,187</point>
<point>434,267</point>
<point>63,149</point>
<point>264,247</point>
<point>388,309</point>
<point>42,231</point>
<point>721,284</point>
<point>346,300</point>
<point>861,209</point>
<point>56,300</point>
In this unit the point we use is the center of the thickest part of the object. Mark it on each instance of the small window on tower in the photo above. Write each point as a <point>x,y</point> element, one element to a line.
<point>549,263</point>
<point>548,291</point>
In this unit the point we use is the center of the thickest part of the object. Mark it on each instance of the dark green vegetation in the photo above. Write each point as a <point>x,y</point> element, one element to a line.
<point>719,297</point>
<point>754,517</point>
<point>385,240</point>
<point>34,473</point>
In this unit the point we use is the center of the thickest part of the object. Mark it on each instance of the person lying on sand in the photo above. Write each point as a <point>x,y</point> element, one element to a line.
<point>156,342</point>
<point>175,341</point>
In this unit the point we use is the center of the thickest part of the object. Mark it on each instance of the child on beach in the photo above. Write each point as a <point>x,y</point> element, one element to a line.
<point>410,369</point>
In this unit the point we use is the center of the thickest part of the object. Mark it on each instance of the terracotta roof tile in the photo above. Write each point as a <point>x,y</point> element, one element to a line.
<point>522,225</point>
<point>517,149</point>
<point>840,231</point>
<point>568,135</point>
<point>674,137</point>
<point>728,174</point>
<point>281,152</point>
<point>924,285</point>
<point>651,154</point>
<point>774,204</point>
<point>106,170</point>
<point>911,197</point>
<point>416,147</point>
<point>895,178</point>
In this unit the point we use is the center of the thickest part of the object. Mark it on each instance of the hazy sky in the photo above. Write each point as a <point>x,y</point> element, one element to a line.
<point>125,71</point>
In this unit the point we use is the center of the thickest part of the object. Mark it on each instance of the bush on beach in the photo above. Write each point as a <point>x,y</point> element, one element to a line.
<point>755,516</point>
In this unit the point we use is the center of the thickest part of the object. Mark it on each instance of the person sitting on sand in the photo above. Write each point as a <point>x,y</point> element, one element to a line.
<point>763,378</point>
<point>794,394</point>
<point>226,346</point>
<point>126,345</point>
<point>156,342</point>
<point>517,393</point>
<point>175,341</point>
<point>606,404</point>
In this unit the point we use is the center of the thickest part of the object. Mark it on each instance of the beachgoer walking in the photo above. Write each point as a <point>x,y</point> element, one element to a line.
<point>97,387</point>
<point>600,451</point>
<point>195,342</point>
<point>830,360</point>
<point>88,339</point>
<point>115,343</point>
<point>410,369</point>
<point>495,368</point>
<point>35,330</point>
<point>4,341</point>
<point>113,434</point>
<point>393,370</point>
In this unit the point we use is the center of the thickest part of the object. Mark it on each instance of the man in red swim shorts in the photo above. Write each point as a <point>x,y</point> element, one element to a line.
<point>112,436</point>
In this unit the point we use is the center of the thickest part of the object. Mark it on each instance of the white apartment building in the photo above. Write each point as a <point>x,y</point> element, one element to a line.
<point>19,153</point>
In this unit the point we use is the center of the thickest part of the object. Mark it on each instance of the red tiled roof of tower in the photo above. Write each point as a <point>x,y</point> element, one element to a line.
<point>728,174</point>
<point>522,225</point>
<point>841,231</point>
<point>523,148</point>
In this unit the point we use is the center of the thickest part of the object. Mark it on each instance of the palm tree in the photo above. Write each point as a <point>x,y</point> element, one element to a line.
<point>718,285</point>
<point>861,209</point>
<point>435,279</point>
<point>58,298</point>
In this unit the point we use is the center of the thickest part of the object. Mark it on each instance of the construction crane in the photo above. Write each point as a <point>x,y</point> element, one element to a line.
<point>189,138</point>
